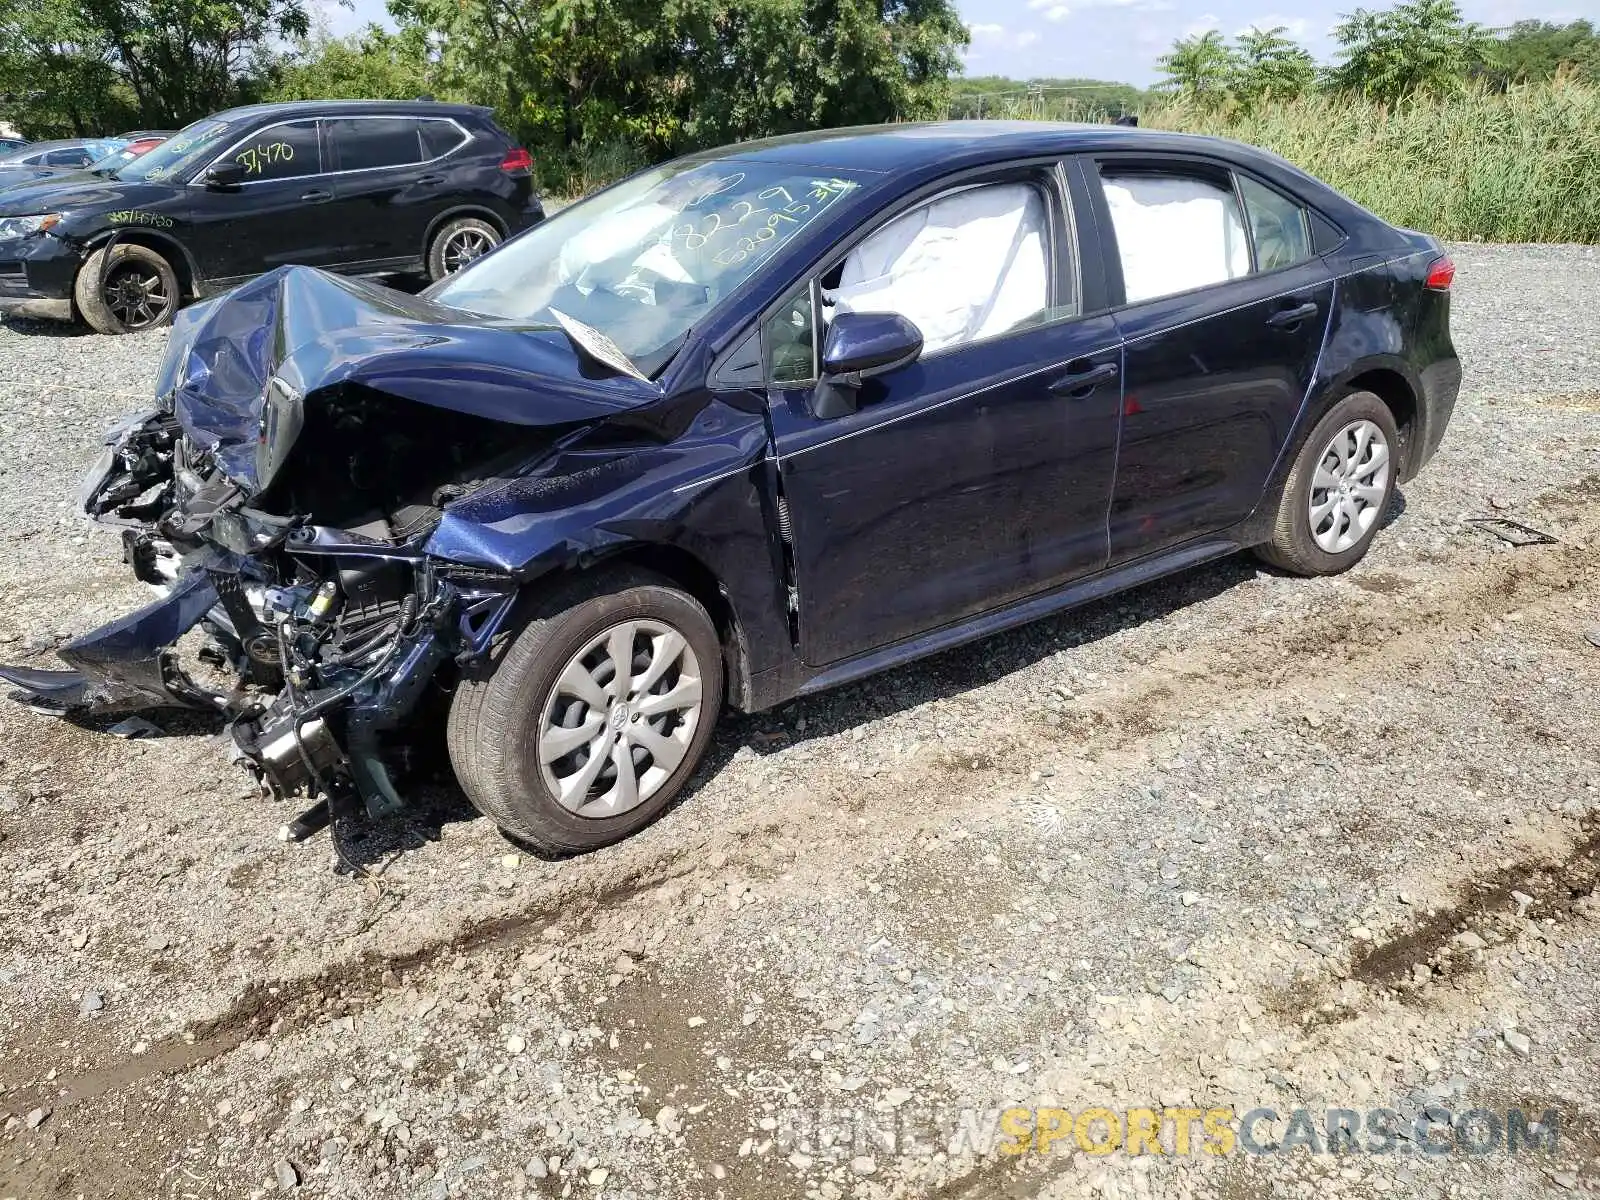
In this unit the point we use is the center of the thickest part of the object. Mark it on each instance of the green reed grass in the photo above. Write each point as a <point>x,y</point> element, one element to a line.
<point>1518,166</point>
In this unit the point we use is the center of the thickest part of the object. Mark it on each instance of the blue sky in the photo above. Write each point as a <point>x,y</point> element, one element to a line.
<point>1121,39</point>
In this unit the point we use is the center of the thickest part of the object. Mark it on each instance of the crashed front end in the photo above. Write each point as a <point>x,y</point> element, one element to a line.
<point>329,635</point>
<point>283,501</point>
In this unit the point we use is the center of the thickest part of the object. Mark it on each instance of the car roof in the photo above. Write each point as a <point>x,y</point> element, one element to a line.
<point>29,149</point>
<point>322,108</point>
<point>69,143</point>
<point>893,148</point>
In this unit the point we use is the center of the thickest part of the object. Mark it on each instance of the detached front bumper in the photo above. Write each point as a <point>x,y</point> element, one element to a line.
<point>129,664</point>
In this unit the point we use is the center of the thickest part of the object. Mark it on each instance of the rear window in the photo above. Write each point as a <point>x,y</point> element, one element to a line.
<point>1279,226</point>
<point>362,143</point>
<point>440,138</point>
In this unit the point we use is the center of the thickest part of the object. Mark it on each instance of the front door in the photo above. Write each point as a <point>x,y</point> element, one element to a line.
<point>278,215</point>
<point>1225,316</point>
<point>978,474</point>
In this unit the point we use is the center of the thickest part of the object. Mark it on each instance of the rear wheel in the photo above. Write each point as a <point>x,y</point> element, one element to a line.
<point>458,243</point>
<point>594,717</point>
<point>126,291</point>
<point>1338,489</point>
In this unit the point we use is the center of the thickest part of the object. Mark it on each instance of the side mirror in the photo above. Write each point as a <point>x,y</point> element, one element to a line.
<point>224,175</point>
<point>859,346</point>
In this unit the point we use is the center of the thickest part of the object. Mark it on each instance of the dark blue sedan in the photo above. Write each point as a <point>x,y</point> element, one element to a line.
<point>743,427</point>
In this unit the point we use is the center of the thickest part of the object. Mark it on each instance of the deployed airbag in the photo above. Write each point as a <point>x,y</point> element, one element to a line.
<point>967,265</point>
<point>1175,233</point>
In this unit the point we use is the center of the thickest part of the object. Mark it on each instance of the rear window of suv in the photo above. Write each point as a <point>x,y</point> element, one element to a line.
<point>362,143</point>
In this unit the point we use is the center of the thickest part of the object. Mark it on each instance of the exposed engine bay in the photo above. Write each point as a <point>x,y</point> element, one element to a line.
<point>286,505</point>
<point>330,633</point>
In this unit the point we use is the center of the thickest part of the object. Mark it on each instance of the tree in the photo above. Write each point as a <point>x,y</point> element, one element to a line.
<point>373,64</point>
<point>657,77</point>
<point>1532,51</point>
<point>1201,67</point>
<point>1417,46</point>
<point>1270,66</point>
<point>56,73</point>
<point>91,66</point>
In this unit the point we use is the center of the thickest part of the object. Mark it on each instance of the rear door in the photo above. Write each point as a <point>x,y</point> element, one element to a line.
<point>276,216</point>
<point>1224,309</point>
<point>389,184</point>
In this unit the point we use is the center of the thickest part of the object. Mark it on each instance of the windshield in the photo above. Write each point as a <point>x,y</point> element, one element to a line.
<point>644,261</point>
<point>180,153</point>
<point>108,164</point>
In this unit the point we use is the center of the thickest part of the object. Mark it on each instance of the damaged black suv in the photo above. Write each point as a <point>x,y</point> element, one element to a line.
<point>746,426</point>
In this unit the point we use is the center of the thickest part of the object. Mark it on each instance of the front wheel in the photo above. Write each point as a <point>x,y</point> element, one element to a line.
<point>126,291</point>
<point>1338,489</point>
<point>594,717</point>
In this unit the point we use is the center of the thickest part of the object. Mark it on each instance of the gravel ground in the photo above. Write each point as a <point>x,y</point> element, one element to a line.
<point>1232,840</point>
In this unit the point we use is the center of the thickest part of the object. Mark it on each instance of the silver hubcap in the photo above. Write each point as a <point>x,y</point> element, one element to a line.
<point>464,246</point>
<point>620,719</point>
<point>1350,487</point>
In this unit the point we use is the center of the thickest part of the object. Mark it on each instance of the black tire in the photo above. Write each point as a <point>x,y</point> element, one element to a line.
<point>139,290</point>
<point>457,243</point>
<point>1294,546</point>
<point>497,715</point>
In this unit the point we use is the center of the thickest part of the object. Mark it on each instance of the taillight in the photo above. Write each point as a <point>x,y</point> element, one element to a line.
<point>1441,274</point>
<point>517,161</point>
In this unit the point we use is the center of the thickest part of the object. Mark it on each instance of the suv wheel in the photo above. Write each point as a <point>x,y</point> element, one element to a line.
<point>135,290</point>
<point>458,243</point>
<point>594,716</point>
<point>1338,489</point>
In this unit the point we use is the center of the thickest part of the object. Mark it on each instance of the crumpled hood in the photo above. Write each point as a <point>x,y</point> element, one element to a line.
<point>309,331</point>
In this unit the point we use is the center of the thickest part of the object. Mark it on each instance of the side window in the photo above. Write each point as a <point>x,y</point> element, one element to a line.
<point>369,142</point>
<point>971,264</point>
<point>1174,231</point>
<point>1279,226</point>
<point>286,151</point>
<point>76,157</point>
<point>439,138</point>
<point>789,340</point>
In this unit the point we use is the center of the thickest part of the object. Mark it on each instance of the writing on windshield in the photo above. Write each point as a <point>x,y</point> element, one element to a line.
<point>751,227</point>
<point>178,153</point>
<point>645,261</point>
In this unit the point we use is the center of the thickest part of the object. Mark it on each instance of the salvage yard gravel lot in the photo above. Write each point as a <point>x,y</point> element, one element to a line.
<point>1234,839</point>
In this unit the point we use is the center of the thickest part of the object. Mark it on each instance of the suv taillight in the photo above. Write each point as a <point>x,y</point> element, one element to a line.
<point>517,161</point>
<point>1441,274</point>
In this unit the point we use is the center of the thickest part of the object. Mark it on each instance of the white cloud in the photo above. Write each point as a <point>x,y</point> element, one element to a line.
<point>1024,40</point>
<point>1204,24</point>
<point>1054,10</point>
<point>982,30</point>
<point>1294,28</point>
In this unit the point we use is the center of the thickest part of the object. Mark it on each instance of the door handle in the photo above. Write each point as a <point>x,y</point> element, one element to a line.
<point>430,178</point>
<point>1288,318</point>
<point>316,196</point>
<point>1080,383</point>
